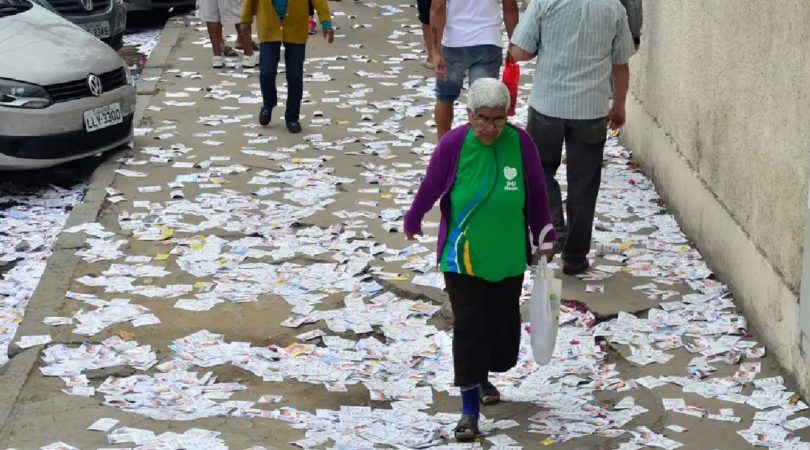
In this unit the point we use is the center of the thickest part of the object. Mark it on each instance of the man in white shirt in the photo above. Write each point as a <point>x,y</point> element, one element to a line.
<point>467,37</point>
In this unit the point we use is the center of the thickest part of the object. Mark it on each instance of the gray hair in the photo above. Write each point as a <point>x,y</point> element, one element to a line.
<point>488,93</point>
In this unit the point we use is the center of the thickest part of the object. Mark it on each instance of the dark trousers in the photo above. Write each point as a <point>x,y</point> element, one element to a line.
<point>486,326</point>
<point>269,56</point>
<point>584,143</point>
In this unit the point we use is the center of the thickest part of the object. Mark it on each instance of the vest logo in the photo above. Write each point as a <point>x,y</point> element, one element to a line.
<point>510,173</point>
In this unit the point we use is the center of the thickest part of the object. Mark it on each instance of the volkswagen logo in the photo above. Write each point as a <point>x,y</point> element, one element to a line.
<point>94,83</point>
<point>86,4</point>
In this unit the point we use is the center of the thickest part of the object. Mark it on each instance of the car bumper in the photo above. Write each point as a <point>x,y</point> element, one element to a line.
<point>115,15</point>
<point>36,138</point>
<point>143,5</point>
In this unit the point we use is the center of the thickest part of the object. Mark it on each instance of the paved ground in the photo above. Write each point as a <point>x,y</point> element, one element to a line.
<point>382,108</point>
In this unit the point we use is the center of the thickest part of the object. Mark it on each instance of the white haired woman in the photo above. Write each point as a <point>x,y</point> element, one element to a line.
<point>494,214</point>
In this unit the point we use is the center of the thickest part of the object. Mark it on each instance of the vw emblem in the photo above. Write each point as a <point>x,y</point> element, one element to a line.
<point>87,4</point>
<point>94,83</point>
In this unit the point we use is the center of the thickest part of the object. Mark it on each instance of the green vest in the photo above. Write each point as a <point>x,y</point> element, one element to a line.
<point>487,228</point>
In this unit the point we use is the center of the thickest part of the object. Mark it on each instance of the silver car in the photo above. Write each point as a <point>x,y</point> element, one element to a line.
<point>64,94</point>
<point>104,19</point>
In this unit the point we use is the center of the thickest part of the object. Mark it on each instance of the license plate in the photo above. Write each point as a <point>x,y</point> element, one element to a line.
<point>98,29</point>
<point>98,118</point>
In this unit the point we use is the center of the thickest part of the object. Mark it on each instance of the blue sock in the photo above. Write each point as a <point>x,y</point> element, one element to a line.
<point>469,401</point>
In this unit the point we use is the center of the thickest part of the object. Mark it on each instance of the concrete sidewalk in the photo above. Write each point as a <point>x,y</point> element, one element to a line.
<point>380,98</point>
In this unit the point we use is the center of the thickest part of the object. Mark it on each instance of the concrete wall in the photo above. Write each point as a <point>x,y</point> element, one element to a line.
<point>719,117</point>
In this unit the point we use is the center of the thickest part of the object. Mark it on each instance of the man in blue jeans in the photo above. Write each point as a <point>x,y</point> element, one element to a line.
<point>466,37</point>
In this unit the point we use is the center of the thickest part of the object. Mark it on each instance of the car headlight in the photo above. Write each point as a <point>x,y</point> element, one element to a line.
<point>130,79</point>
<point>17,94</point>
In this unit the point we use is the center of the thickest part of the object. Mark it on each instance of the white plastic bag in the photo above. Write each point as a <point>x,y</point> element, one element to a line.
<point>544,312</point>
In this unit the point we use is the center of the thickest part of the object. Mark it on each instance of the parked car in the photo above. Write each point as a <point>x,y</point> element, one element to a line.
<point>144,5</point>
<point>104,19</point>
<point>64,94</point>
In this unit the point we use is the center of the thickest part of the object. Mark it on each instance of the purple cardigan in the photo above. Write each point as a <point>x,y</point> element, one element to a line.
<point>441,174</point>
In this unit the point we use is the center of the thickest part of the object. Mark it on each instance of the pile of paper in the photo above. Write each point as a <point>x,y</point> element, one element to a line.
<point>30,222</point>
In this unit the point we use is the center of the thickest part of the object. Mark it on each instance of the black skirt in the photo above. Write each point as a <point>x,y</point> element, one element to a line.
<point>486,325</point>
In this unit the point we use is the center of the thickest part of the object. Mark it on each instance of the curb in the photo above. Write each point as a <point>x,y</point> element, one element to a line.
<point>62,263</point>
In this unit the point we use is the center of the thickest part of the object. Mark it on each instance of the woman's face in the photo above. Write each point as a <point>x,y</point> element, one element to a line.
<point>487,123</point>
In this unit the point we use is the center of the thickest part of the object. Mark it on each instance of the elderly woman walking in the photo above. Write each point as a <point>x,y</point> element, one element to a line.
<point>494,220</point>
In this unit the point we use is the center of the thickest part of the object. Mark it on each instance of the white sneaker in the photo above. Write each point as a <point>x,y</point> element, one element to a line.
<point>216,62</point>
<point>250,61</point>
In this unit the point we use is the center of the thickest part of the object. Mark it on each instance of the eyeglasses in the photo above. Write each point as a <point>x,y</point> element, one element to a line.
<point>497,122</point>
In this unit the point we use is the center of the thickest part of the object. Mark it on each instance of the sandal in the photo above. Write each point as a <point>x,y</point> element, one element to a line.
<point>489,394</point>
<point>229,52</point>
<point>467,428</point>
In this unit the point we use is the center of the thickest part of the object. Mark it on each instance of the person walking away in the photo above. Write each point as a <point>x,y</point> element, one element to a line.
<point>494,213</point>
<point>579,45</point>
<point>466,37</point>
<point>215,13</point>
<point>423,7</point>
<point>283,22</point>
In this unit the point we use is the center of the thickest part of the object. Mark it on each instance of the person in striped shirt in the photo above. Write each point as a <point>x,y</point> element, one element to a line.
<point>580,45</point>
<point>494,214</point>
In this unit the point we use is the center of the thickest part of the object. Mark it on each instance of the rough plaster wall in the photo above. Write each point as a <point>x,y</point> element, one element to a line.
<point>729,82</point>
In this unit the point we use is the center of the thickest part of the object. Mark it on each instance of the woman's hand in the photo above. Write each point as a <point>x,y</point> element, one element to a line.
<point>329,34</point>
<point>540,253</point>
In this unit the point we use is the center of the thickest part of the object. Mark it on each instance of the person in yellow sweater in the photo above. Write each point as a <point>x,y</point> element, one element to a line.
<point>283,22</point>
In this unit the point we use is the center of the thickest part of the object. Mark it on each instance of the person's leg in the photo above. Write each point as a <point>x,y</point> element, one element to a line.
<point>423,6</point>
<point>448,90</point>
<point>244,39</point>
<point>548,134</point>
<point>426,38</point>
<point>208,11</point>
<point>470,345</point>
<point>503,312</point>
<point>443,115</point>
<point>294,55</point>
<point>215,34</point>
<point>487,60</point>
<point>269,55</point>
<point>584,143</point>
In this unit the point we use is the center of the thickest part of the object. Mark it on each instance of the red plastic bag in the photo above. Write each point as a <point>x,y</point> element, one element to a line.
<point>511,78</point>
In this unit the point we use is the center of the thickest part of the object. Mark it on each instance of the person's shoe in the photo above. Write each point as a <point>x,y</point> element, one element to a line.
<point>467,428</point>
<point>264,115</point>
<point>217,63</point>
<point>294,127</point>
<point>250,61</point>
<point>575,268</point>
<point>312,25</point>
<point>489,394</point>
